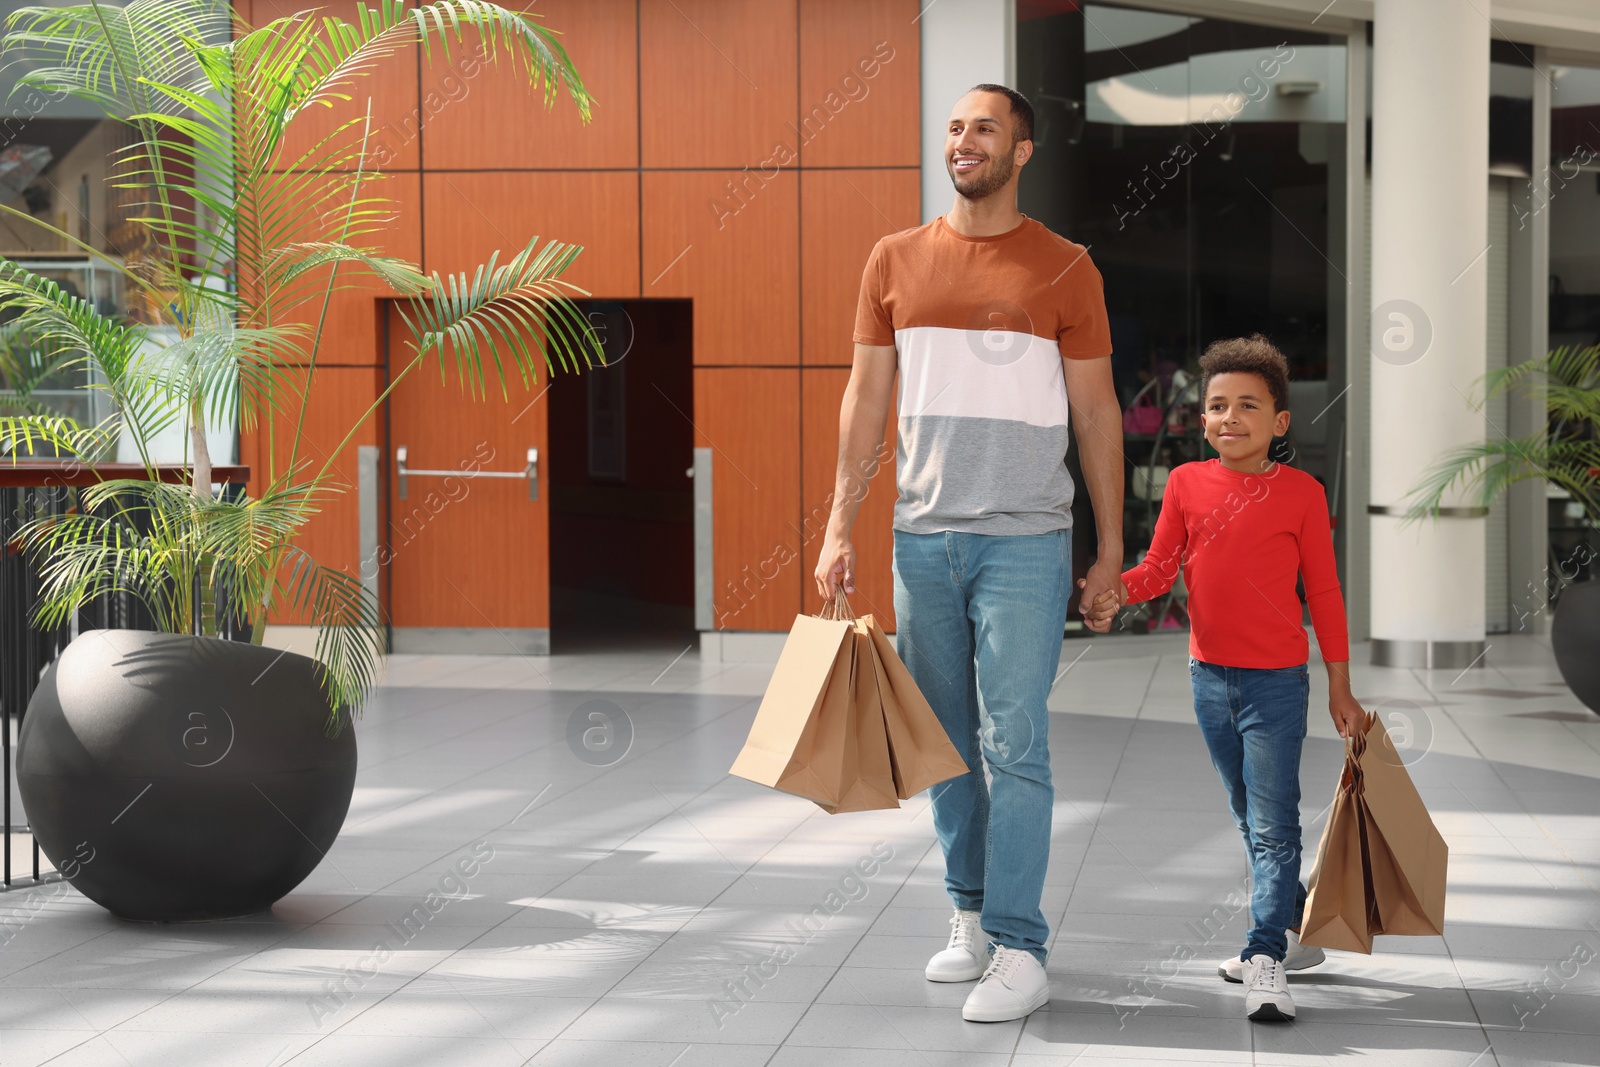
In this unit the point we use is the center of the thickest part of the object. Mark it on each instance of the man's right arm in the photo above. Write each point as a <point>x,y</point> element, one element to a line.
<point>862,418</point>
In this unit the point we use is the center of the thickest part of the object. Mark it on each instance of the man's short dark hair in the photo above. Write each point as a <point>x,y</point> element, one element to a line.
<point>1247,355</point>
<point>1021,110</point>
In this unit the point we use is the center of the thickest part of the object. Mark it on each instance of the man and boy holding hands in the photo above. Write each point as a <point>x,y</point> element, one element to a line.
<point>997,330</point>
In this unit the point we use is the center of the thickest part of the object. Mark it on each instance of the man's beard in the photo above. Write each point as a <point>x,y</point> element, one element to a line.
<point>982,188</point>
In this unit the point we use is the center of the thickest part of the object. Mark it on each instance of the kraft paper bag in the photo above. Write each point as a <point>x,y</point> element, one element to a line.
<point>797,742</point>
<point>919,748</point>
<point>1408,856</point>
<point>1338,907</point>
<point>1382,864</point>
<point>869,781</point>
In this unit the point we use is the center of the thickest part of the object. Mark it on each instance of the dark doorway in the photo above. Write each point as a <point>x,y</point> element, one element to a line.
<point>621,497</point>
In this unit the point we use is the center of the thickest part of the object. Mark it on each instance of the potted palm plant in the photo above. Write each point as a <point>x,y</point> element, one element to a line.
<point>1565,453</point>
<point>208,777</point>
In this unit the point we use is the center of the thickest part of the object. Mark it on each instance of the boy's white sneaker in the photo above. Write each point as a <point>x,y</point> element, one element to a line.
<point>1298,958</point>
<point>966,957</point>
<point>1266,997</point>
<point>1013,987</point>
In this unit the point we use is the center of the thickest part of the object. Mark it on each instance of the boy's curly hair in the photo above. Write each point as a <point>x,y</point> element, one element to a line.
<point>1247,355</point>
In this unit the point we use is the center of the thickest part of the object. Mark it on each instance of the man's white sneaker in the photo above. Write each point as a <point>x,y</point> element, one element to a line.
<point>1266,997</point>
<point>1013,987</point>
<point>1298,958</point>
<point>967,955</point>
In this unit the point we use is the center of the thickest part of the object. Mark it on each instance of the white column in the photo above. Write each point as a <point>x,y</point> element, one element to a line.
<point>964,43</point>
<point>1430,148</point>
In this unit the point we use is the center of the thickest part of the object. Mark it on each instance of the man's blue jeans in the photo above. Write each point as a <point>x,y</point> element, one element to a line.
<point>1254,723</point>
<point>979,623</point>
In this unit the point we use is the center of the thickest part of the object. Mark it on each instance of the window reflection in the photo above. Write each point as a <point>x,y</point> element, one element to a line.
<point>1203,163</point>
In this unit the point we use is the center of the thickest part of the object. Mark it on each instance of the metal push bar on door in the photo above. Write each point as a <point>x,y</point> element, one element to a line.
<point>530,472</point>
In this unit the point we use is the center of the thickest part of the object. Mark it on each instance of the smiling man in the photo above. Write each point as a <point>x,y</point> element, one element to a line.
<point>997,328</point>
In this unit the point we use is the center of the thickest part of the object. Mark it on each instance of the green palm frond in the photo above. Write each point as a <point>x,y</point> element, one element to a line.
<point>342,54</point>
<point>1566,453</point>
<point>122,543</point>
<point>81,336</point>
<point>1567,367</point>
<point>293,261</point>
<point>52,315</point>
<point>1484,471</point>
<point>114,57</point>
<point>110,55</point>
<point>231,368</point>
<point>49,434</point>
<point>350,637</point>
<point>523,308</point>
<point>27,365</point>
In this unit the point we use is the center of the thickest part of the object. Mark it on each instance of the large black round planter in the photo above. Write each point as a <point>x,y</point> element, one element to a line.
<point>177,778</point>
<point>1575,638</point>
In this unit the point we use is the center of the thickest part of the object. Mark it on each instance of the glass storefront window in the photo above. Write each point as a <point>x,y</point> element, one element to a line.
<point>1572,197</point>
<point>1202,162</point>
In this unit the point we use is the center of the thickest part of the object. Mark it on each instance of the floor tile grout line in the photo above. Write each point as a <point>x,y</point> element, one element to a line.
<point>578,872</point>
<point>1476,1014</point>
<point>521,755</point>
<point>479,773</point>
<point>866,930</point>
<point>642,959</point>
<point>702,909</point>
<point>485,932</point>
<point>163,1000</point>
<point>1579,735</point>
<point>1510,791</point>
<point>1110,783</point>
<point>466,695</point>
<point>432,793</point>
<point>1127,740</point>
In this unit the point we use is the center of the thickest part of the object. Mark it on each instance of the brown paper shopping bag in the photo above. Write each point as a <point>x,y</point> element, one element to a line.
<point>797,742</point>
<point>1338,901</point>
<point>1381,866</point>
<point>1408,857</point>
<point>868,778</point>
<point>919,749</point>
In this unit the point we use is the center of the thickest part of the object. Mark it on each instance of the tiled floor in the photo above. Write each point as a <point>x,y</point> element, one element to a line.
<point>632,907</point>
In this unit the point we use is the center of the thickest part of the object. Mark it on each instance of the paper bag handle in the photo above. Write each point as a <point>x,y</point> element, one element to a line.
<point>838,609</point>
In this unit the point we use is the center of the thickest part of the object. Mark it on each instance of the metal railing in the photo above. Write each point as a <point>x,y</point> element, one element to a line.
<point>37,489</point>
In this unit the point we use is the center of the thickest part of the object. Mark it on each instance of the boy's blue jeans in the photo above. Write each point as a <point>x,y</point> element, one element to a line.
<point>980,621</point>
<point>1254,723</point>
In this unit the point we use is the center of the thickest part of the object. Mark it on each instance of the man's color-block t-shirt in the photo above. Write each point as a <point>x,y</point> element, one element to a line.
<point>981,325</point>
<point>1241,540</point>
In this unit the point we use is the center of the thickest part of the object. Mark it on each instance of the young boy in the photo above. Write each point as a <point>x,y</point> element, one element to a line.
<point>1242,528</point>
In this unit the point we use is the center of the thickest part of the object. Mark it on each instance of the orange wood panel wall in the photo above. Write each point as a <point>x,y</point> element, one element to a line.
<point>472,214</point>
<point>741,269</point>
<point>482,115</point>
<point>822,390</point>
<point>860,83</point>
<point>717,81</point>
<point>388,91</point>
<point>750,418</point>
<point>843,213</point>
<point>745,155</point>
<point>339,396</point>
<point>350,328</point>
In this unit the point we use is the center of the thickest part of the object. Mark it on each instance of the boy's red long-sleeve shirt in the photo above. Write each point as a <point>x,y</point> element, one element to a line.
<point>1241,539</point>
